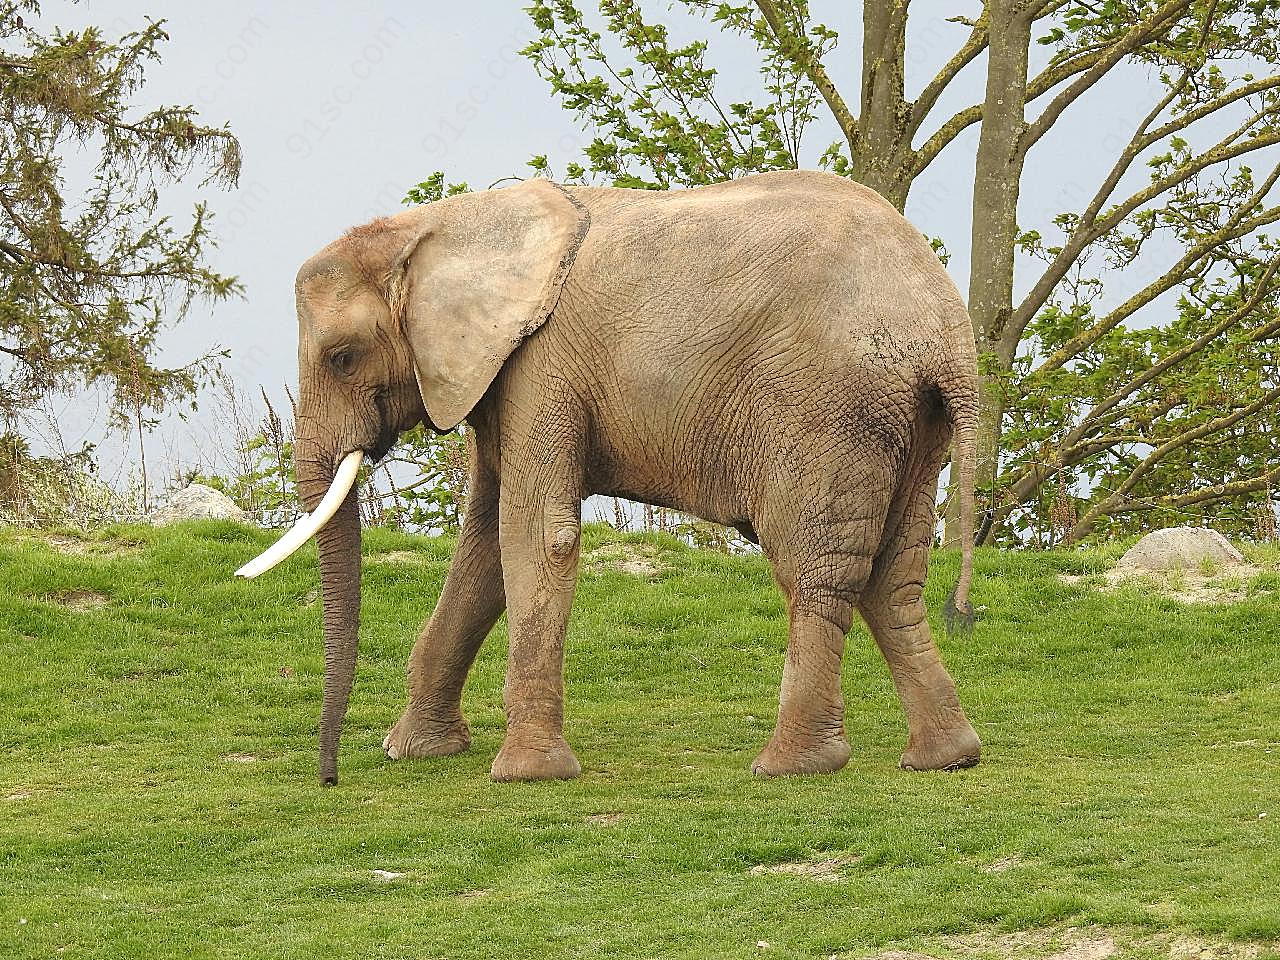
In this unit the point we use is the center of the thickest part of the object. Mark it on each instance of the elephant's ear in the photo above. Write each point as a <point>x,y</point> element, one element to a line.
<point>484,273</point>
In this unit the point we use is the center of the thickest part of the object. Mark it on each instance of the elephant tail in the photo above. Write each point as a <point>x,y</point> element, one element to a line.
<point>961,399</point>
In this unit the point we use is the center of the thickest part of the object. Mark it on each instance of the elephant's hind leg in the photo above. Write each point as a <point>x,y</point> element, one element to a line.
<point>940,736</point>
<point>809,736</point>
<point>821,562</point>
<point>470,603</point>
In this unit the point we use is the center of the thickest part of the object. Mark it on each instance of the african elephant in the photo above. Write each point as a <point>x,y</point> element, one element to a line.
<point>783,354</point>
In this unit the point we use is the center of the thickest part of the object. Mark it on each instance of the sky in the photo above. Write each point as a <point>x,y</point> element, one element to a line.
<point>340,108</point>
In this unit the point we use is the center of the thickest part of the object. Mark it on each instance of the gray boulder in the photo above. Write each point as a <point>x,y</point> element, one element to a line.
<point>197,502</point>
<point>1180,548</point>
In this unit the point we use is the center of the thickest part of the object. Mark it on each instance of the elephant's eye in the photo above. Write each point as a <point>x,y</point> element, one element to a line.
<point>343,361</point>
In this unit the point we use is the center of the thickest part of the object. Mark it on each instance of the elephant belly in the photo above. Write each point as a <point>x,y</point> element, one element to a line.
<point>723,506</point>
<point>698,467</point>
<point>784,433</point>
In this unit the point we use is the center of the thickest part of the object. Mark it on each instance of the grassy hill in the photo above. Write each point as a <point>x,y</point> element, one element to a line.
<point>158,794</point>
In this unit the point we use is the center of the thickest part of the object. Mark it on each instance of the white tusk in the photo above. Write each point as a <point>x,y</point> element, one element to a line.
<point>309,524</point>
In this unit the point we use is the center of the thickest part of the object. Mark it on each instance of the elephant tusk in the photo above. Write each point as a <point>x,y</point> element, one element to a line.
<point>309,524</point>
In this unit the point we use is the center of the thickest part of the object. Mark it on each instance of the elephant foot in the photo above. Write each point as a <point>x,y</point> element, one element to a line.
<point>413,737</point>
<point>951,749</point>
<point>791,757</point>
<point>547,760</point>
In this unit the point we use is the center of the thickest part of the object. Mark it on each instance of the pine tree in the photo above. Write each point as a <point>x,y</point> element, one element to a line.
<point>89,280</point>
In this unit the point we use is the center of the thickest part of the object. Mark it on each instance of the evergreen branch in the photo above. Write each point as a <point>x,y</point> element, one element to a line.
<point>16,253</point>
<point>85,298</point>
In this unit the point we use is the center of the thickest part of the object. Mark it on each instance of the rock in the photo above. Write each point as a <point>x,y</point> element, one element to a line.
<point>1180,548</point>
<point>197,502</point>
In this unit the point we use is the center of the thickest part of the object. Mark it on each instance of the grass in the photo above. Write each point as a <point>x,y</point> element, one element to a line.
<point>158,794</point>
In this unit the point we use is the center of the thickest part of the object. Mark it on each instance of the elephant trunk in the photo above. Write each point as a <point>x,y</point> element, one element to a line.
<point>335,522</point>
<point>338,543</point>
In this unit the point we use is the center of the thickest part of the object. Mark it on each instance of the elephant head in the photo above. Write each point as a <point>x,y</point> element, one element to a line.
<point>406,319</point>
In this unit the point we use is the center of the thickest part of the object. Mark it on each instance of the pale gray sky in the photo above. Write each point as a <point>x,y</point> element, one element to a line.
<point>339,108</point>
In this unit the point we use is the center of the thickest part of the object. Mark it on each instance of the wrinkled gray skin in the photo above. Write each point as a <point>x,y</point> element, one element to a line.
<point>782,354</point>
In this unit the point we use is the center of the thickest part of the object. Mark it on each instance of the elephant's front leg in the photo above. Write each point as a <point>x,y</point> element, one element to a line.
<point>470,603</point>
<point>540,528</point>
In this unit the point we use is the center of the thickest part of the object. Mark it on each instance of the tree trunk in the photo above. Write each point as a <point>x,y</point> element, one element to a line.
<point>997,178</point>
<point>882,140</point>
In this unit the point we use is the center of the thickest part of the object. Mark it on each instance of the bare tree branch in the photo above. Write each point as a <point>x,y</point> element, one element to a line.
<point>1105,406</point>
<point>1090,228</point>
<point>1077,446</point>
<point>1105,506</point>
<point>1166,281</point>
<point>1223,491</point>
<point>800,52</point>
<point>929,150</point>
<point>1038,86</point>
<point>1115,52</point>
<point>924,103</point>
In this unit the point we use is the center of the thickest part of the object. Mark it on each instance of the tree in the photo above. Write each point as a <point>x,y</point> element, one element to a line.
<point>1075,400</point>
<point>87,282</point>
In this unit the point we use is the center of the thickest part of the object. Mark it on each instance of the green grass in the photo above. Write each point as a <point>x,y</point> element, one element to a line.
<point>1132,751</point>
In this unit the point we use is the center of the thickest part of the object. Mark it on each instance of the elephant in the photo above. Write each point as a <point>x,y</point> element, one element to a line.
<point>783,354</point>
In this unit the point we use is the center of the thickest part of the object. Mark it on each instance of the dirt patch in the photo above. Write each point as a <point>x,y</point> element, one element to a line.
<point>635,559</point>
<point>1090,948</point>
<point>76,547</point>
<point>1211,586</point>
<point>1076,943</point>
<point>472,894</point>
<point>822,871</point>
<point>156,673</point>
<point>1003,864</point>
<point>68,545</point>
<point>19,795</point>
<point>1184,948</point>
<point>240,758</point>
<point>399,556</point>
<point>611,819</point>
<point>80,600</point>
